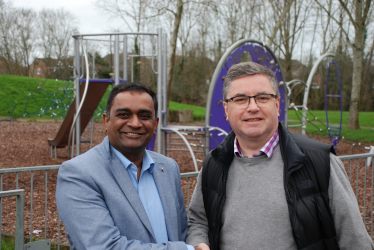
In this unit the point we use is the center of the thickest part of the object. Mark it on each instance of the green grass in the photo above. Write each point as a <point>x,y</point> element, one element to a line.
<point>366,120</point>
<point>198,112</point>
<point>7,244</point>
<point>27,96</point>
<point>35,97</point>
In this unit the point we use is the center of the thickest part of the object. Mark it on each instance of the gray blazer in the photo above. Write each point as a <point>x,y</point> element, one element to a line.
<point>100,208</point>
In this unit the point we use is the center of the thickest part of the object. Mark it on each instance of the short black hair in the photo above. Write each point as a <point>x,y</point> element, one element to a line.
<point>129,86</point>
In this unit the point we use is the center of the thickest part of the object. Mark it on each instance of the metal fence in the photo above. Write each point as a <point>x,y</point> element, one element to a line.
<point>20,209</point>
<point>39,187</point>
<point>360,175</point>
<point>360,171</point>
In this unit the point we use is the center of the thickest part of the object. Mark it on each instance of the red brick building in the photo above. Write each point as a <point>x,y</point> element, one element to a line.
<point>44,67</point>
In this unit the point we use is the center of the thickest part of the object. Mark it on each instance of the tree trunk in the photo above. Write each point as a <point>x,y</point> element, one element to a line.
<point>356,89</point>
<point>173,46</point>
<point>279,22</point>
<point>358,54</point>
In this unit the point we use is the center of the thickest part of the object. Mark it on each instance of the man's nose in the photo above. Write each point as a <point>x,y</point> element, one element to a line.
<point>252,105</point>
<point>134,121</point>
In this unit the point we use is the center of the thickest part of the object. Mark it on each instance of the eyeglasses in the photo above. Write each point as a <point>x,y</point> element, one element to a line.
<point>243,100</point>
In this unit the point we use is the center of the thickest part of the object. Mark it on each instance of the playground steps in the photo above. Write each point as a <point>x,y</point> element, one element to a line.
<point>95,93</point>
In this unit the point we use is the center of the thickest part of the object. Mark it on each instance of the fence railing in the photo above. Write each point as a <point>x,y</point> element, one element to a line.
<point>20,209</point>
<point>13,178</point>
<point>358,172</point>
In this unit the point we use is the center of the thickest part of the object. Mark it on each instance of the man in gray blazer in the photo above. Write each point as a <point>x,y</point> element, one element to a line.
<point>119,195</point>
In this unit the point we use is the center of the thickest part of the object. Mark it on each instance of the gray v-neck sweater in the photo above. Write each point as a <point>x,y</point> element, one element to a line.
<point>255,211</point>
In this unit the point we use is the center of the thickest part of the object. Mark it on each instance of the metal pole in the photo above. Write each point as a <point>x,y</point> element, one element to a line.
<point>20,216</point>
<point>31,202</point>
<point>165,77</point>
<point>93,67</point>
<point>116,60</point>
<point>306,93</point>
<point>46,204</point>
<point>132,69</point>
<point>77,93</point>
<point>286,102</point>
<point>164,89</point>
<point>159,86</point>
<point>125,58</point>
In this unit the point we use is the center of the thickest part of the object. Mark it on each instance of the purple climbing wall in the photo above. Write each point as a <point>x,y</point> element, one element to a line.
<point>217,113</point>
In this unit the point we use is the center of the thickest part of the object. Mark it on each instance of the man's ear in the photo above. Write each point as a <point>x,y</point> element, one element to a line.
<point>277,105</point>
<point>106,120</point>
<point>156,124</point>
<point>225,106</point>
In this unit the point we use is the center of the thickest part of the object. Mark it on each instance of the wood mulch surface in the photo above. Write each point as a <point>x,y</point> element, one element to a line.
<point>24,144</point>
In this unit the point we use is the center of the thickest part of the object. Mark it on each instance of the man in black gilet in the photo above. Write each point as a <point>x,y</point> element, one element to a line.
<point>267,188</point>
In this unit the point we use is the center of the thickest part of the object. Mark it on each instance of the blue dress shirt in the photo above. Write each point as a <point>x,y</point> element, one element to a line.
<point>148,193</point>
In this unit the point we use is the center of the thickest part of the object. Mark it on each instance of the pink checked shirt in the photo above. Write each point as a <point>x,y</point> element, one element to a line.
<point>267,149</point>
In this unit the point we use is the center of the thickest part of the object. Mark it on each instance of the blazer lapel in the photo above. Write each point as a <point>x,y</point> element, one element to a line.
<point>123,179</point>
<point>162,181</point>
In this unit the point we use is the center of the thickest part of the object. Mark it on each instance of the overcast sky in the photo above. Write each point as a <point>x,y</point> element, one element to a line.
<point>90,19</point>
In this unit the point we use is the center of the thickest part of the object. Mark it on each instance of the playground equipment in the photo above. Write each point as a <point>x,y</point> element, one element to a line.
<point>88,92</point>
<point>259,53</point>
<point>333,79</point>
<point>334,131</point>
<point>95,92</point>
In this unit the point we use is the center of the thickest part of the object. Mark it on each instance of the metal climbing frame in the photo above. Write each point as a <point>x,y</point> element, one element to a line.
<point>306,93</point>
<point>334,131</point>
<point>290,86</point>
<point>193,138</point>
<point>81,68</point>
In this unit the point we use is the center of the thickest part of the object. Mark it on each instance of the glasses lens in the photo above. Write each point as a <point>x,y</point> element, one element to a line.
<point>262,99</point>
<point>240,100</point>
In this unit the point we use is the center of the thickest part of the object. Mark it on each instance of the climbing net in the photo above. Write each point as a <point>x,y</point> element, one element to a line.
<point>51,99</point>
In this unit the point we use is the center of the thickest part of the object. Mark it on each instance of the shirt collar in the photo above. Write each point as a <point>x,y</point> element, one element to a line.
<point>267,149</point>
<point>148,162</point>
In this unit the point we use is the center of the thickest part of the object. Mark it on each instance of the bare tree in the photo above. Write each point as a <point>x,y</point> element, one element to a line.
<point>9,44</point>
<point>27,33</point>
<point>56,27</point>
<point>359,13</point>
<point>281,14</point>
<point>290,17</point>
<point>132,12</point>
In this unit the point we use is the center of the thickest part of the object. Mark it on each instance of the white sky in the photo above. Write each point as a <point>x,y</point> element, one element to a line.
<point>90,19</point>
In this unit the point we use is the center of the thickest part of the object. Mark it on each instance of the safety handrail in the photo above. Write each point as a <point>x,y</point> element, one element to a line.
<point>77,113</point>
<point>187,144</point>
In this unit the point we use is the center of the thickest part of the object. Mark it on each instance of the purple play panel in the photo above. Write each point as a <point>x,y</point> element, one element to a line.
<point>217,113</point>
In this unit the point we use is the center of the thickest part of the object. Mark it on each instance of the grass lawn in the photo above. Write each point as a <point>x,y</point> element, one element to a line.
<point>314,126</point>
<point>198,112</point>
<point>27,96</point>
<point>35,97</point>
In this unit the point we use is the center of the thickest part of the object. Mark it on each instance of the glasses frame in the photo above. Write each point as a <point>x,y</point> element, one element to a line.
<point>249,97</point>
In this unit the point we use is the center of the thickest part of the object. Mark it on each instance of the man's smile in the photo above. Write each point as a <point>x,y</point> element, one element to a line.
<point>254,119</point>
<point>130,133</point>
